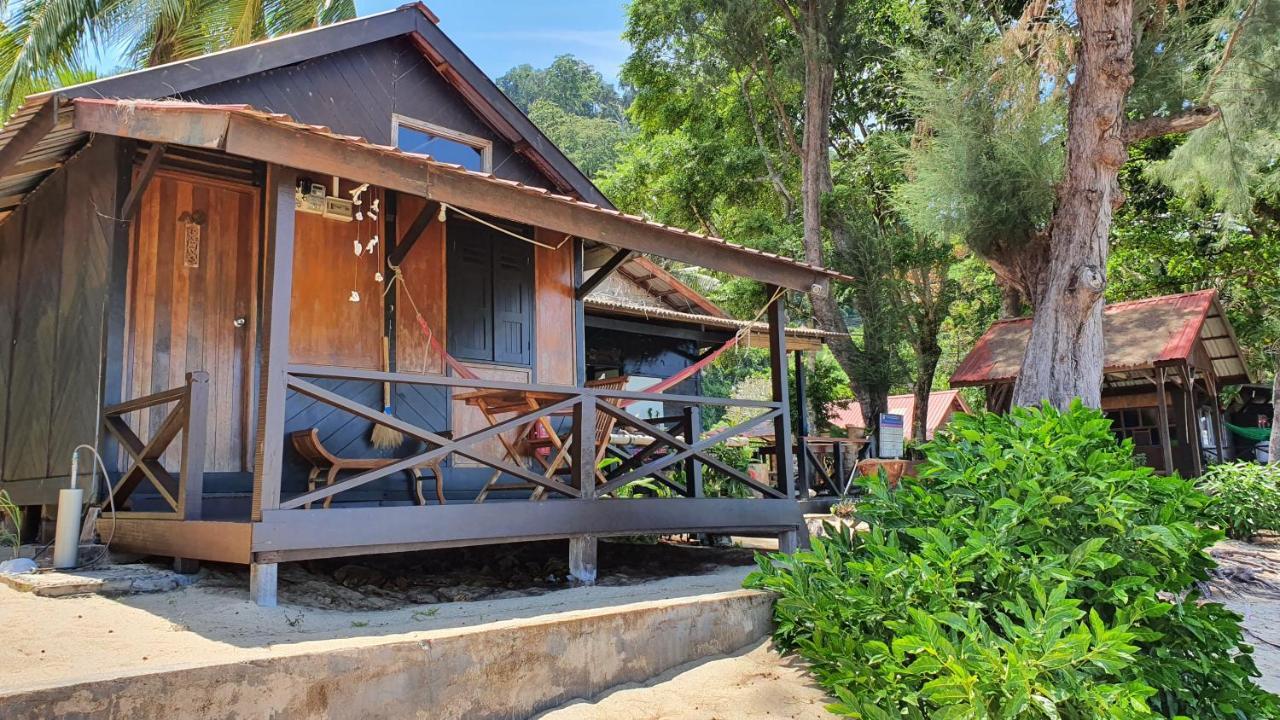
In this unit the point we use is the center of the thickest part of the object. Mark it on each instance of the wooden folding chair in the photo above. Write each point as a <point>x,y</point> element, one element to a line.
<point>603,430</point>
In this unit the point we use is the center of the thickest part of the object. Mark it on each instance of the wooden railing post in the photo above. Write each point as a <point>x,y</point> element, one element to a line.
<point>693,468</point>
<point>803,473</point>
<point>777,313</point>
<point>277,293</point>
<point>194,438</point>
<point>582,548</point>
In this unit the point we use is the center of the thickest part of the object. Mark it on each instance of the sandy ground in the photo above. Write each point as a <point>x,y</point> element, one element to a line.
<point>90,637</point>
<point>754,684</point>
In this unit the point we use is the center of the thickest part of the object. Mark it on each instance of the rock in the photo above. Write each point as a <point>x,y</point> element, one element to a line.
<point>421,596</point>
<point>463,593</point>
<point>508,594</point>
<point>356,575</point>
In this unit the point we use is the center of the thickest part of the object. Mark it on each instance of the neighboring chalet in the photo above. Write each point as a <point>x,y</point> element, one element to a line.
<point>225,271</point>
<point>1166,360</point>
<point>942,405</point>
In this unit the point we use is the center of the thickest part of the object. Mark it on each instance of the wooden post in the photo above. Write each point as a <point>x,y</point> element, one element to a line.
<point>273,351</point>
<point>777,313</point>
<point>1193,422</point>
<point>194,434</point>
<point>693,468</point>
<point>113,339</point>
<point>1162,401</point>
<point>802,428</point>
<point>1218,428</point>
<point>191,476</point>
<point>582,548</point>
<point>579,317</point>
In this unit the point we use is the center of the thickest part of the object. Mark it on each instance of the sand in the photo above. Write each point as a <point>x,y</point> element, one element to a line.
<point>53,641</point>
<point>755,684</point>
<point>89,637</point>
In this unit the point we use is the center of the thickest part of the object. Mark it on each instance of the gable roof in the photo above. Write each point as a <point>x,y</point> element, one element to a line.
<point>413,20</point>
<point>1137,335</point>
<point>942,403</point>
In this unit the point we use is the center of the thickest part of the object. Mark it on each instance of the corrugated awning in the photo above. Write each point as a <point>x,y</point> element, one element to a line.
<point>798,338</point>
<point>1137,335</point>
<point>50,130</point>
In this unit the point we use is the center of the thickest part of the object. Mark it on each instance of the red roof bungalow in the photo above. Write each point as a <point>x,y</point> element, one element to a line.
<point>942,405</point>
<point>1166,359</point>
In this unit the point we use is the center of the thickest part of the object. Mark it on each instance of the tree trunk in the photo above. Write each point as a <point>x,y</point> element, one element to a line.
<point>926,367</point>
<point>1273,447</point>
<point>1064,355</point>
<point>1010,301</point>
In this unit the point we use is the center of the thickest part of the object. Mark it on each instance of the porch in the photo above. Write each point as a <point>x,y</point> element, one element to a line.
<point>170,446</point>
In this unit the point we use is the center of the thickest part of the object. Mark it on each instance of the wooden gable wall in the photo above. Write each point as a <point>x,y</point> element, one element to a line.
<point>356,92</point>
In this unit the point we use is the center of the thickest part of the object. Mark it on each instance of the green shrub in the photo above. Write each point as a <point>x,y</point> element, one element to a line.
<point>1246,498</point>
<point>1032,570</point>
<point>10,524</point>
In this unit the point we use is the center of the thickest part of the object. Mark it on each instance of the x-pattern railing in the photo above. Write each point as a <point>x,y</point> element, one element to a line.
<point>666,450</point>
<point>188,416</point>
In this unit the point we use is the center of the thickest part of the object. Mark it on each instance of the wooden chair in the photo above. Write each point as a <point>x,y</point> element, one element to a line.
<point>603,430</point>
<point>308,445</point>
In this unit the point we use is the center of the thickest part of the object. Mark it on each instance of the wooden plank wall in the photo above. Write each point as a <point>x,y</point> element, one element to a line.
<point>356,91</point>
<point>326,326</point>
<point>53,289</point>
<point>555,331</point>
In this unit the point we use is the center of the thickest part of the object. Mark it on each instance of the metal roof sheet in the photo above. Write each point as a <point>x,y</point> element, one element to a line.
<point>942,403</point>
<point>1137,335</point>
<point>63,143</point>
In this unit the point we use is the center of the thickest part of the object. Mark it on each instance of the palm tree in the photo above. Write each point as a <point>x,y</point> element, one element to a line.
<point>43,42</point>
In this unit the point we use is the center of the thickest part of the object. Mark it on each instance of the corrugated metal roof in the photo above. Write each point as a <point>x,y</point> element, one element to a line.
<point>62,144</point>
<point>942,403</point>
<point>758,330</point>
<point>1137,335</point>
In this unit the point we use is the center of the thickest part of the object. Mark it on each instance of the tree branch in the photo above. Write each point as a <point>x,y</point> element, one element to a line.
<point>1197,117</point>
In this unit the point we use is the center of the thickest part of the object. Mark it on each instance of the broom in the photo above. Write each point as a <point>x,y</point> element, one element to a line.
<point>383,437</point>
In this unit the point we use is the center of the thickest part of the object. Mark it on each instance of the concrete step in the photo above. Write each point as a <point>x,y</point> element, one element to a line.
<point>505,670</point>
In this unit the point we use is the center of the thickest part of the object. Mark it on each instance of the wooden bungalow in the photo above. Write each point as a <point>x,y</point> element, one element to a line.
<point>223,273</point>
<point>1166,360</point>
<point>942,405</point>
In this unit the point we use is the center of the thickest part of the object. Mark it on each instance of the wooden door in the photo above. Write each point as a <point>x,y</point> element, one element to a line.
<point>192,290</point>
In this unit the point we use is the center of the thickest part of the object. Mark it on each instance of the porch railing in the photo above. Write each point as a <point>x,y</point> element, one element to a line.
<point>188,417</point>
<point>686,447</point>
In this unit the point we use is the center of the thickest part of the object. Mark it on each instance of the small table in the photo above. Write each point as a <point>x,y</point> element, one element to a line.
<point>493,403</point>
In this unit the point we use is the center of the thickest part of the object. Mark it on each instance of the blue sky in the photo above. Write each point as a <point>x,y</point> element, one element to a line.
<point>500,34</point>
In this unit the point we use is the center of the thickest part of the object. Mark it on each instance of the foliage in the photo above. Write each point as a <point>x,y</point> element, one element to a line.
<point>1033,570</point>
<point>42,40</point>
<point>590,142</point>
<point>716,483</point>
<point>568,83</point>
<point>1246,498</point>
<point>1165,243</point>
<point>10,523</point>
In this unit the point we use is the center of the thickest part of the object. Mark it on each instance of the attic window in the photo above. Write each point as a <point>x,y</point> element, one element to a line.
<point>443,144</point>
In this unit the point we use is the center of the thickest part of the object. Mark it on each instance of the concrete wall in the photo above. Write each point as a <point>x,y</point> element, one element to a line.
<point>505,670</point>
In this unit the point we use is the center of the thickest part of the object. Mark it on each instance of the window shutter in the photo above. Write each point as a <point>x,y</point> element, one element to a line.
<point>513,301</point>
<point>470,283</point>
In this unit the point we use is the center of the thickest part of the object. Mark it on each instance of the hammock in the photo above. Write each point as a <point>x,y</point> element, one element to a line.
<point>661,386</point>
<point>1252,434</point>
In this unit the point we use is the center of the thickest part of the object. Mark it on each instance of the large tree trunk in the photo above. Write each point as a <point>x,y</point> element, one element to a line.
<point>1064,355</point>
<point>927,356</point>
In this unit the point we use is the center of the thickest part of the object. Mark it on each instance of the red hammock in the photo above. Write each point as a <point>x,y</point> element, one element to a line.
<point>463,371</point>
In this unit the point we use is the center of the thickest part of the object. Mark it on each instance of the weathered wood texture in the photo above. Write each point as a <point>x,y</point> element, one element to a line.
<point>356,91</point>
<point>183,319</point>
<point>53,260</point>
<point>327,326</point>
<point>554,306</point>
<point>426,281</point>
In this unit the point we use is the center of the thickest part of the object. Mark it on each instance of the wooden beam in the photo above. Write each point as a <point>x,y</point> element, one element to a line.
<point>305,148</point>
<point>41,123</point>
<point>1162,406</point>
<point>604,271</point>
<point>133,200</point>
<point>328,532</point>
<point>420,224</point>
<point>273,349</point>
<point>777,314</point>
